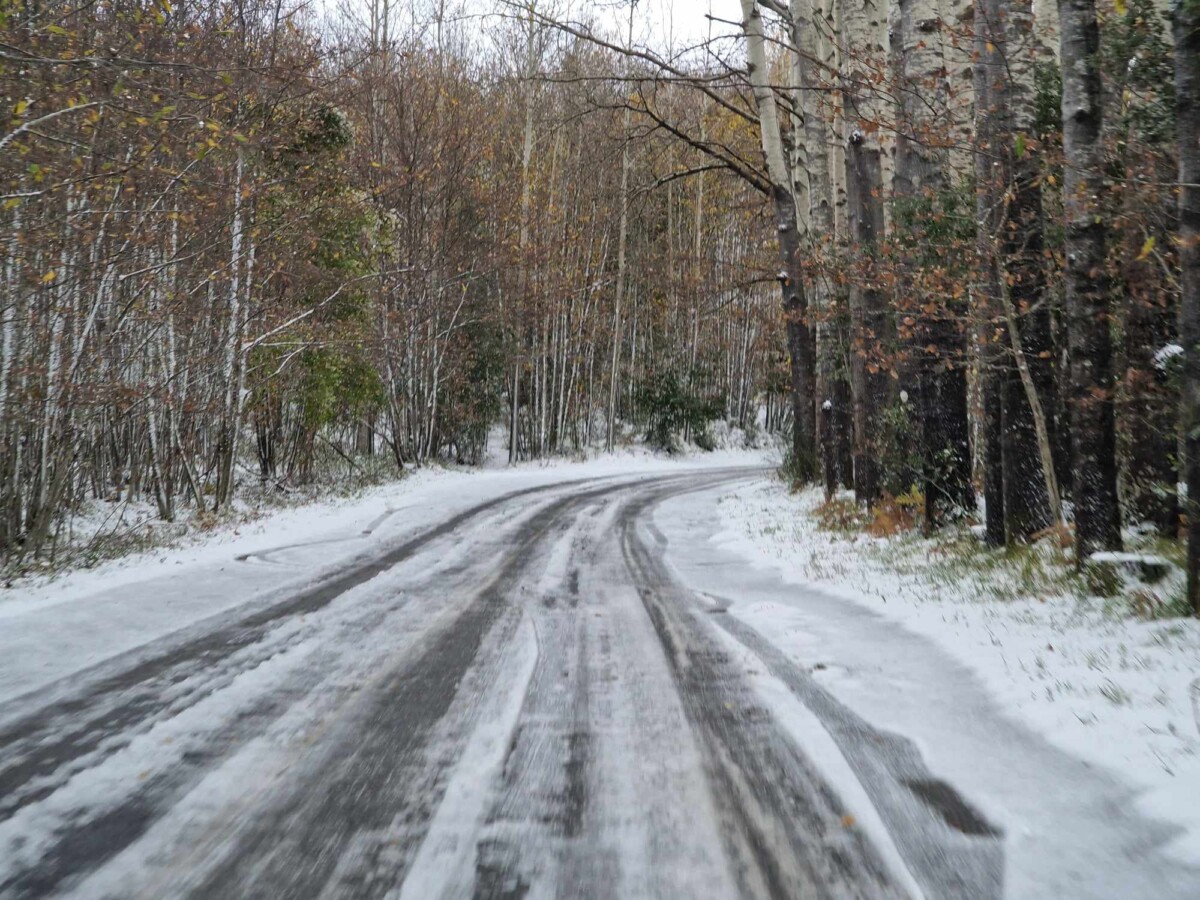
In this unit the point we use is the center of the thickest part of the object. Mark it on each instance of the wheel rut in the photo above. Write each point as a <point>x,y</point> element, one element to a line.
<point>950,849</point>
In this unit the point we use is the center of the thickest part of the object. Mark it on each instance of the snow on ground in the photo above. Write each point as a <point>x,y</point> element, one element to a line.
<point>1105,687</point>
<point>53,627</point>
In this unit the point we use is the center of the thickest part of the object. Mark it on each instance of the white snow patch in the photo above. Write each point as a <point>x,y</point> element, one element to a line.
<point>444,865</point>
<point>1119,557</point>
<point>1164,354</point>
<point>822,750</point>
<point>1105,687</point>
<point>54,628</point>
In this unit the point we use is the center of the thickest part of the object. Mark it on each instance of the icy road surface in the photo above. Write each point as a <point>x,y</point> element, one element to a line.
<point>541,695</point>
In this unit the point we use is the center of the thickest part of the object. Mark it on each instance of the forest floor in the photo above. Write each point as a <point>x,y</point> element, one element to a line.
<point>632,676</point>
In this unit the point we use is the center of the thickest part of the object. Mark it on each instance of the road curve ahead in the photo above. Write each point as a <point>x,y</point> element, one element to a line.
<point>524,701</point>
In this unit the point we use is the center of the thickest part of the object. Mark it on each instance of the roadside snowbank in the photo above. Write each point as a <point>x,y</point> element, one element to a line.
<point>1112,690</point>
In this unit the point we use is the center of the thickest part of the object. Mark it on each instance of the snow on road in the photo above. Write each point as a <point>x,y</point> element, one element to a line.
<point>51,628</point>
<point>613,677</point>
<point>1074,728</point>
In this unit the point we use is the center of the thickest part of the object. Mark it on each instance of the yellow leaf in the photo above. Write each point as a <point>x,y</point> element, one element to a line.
<point>49,277</point>
<point>1146,248</point>
<point>1120,7</point>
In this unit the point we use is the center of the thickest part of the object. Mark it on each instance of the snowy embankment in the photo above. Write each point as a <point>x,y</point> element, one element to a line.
<point>53,627</point>
<point>1106,687</point>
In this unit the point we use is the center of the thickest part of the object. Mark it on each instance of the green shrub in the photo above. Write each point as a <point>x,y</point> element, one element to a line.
<point>670,407</point>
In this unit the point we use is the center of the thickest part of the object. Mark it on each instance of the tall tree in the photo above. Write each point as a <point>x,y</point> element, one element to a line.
<point>1011,297</point>
<point>791,273</point>
<point>936,338</point>
<point>810,47</point>
<point>1090,392</point>
<point>991,335</point>
<point>1187,94</point>
<point>863,36</point>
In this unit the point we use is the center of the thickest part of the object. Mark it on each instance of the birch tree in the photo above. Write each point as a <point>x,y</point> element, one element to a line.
<point>791,280</point>
<point>863,36</point>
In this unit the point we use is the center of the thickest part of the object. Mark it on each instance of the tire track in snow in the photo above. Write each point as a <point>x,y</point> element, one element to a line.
<point>35,764</point>
<point>949,848</point>
<point>783,827</point>
<point>337,820</point>
<point>40,744</point>
<point>352,831</point>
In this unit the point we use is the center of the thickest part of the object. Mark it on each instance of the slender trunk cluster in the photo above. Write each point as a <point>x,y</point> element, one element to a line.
<point>242,258</point>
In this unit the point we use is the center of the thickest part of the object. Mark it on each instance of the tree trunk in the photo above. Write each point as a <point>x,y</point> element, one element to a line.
<point>832,384</point>
<point>989,190</point>
<point>1041,427</point>
<point>1093,435</point>
<point>873,327</point>
<point>1009,245</point>
<point>227,452</point>
<point>799,338</point>
<point>872,331</point>
<point>618,297</point>
<point>1187,94</point>
<point>936,341</point>
<point>522,299</point>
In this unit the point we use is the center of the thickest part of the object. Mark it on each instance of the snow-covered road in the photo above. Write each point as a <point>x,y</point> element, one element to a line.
<point>548,692</point>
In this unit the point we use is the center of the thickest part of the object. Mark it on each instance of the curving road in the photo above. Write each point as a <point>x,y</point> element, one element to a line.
<point>524,701</point>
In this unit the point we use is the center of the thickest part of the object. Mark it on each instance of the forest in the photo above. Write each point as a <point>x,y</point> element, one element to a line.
<point>950,249</point>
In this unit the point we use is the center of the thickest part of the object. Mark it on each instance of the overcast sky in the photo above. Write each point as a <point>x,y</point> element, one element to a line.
<point>661,24</point>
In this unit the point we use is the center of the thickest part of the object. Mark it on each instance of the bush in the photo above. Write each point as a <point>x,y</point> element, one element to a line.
<point>670,408</point>
<point>799,472</point>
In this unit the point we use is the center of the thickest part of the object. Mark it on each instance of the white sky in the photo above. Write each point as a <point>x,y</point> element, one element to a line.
<point>665,25</point>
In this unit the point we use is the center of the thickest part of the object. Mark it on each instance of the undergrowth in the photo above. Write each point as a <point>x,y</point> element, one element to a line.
<point>1038,570</point>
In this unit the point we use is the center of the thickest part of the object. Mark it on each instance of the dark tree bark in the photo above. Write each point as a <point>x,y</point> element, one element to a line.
<point>801,347</point>
<point>871,316</point>
<point>1026,498</point>
<point>1187,93</point>
<point>991,334</point>
<point>843,406</point>
<point>936,342</point>
<point>863,33</point>
<point>1148,414</point>
<point>814,135</point>
<point>1090,391</point>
